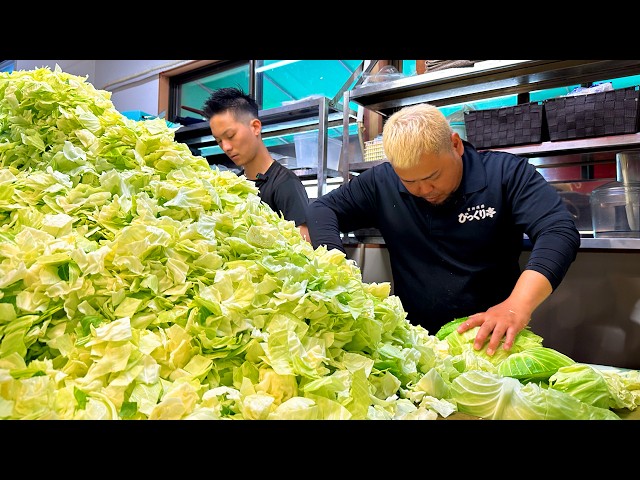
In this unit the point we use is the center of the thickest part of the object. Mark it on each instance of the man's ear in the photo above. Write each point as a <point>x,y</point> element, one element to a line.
<point>256,126</point>
<point>456,141</point>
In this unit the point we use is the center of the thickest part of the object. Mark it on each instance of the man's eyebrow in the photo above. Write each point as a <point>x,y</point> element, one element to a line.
<point>226,132</point>
<point>419,179</point>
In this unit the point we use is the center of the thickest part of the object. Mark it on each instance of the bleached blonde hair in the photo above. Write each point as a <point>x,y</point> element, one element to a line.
<point>413,131</point>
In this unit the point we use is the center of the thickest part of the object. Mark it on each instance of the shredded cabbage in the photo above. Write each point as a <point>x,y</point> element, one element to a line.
<point>138,282</point>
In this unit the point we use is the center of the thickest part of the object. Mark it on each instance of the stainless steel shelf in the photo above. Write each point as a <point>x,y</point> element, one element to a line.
<point>361,166</point>
<point>564,148</point>
<point>613,143</point>
<point>471,84</point>
<point>312,173</point>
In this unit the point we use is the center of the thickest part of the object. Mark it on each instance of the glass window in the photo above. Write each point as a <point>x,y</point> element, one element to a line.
<point>189,91</point>
<point>409,67</point>
<point>277,83</point>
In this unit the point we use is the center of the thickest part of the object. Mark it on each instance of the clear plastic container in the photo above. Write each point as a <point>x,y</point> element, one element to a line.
<point>306,145</point>
<point>615,210</point>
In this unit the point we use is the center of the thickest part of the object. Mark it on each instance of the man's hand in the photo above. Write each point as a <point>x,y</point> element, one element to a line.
<point>500,321</point>
<point>508,318</point>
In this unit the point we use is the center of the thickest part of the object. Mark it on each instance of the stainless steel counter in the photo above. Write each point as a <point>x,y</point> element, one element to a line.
<point>610,243</point>
<point>373,237</point>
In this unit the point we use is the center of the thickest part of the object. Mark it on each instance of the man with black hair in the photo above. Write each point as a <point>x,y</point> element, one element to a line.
<point>235,126</point>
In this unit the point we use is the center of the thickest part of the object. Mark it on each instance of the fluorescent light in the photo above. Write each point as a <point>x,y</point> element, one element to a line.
<point>271,66</point>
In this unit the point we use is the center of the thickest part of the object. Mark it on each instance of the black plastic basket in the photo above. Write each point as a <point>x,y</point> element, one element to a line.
<point>593,115</point>
<point>506,126</point>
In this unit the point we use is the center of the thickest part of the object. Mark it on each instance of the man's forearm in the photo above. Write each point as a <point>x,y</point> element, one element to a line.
<point>322,223</point>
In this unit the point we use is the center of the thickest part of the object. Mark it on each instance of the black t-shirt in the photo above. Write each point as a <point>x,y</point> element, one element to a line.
<point>282,190</point>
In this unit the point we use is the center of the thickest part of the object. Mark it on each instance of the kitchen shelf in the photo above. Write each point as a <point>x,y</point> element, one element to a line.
<point>613,143</point>
<point>312,173</point>
<point>458,85</point>
<point>362,166</point>
<point>562,148</point>
<point>491,79</point>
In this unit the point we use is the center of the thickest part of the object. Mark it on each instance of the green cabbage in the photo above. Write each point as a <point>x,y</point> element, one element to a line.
<point>534,364</point>
<point>490,396</point>
<point>461,342</point>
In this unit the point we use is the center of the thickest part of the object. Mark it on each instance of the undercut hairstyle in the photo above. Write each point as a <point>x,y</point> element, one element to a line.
<point>231,99</point>
<point>413,131</point>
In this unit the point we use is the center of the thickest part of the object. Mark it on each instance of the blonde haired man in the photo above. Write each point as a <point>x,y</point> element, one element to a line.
<point>453,220</point>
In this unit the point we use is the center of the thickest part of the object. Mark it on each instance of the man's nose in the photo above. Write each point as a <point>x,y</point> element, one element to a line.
<point>225,145</point>
<point>424,188</point>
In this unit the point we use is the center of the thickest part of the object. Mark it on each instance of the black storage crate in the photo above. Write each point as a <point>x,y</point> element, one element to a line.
<point>506,126</point>
<point>593,115</point>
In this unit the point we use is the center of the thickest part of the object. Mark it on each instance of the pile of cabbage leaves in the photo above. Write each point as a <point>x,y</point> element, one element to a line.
<point>139,282</point>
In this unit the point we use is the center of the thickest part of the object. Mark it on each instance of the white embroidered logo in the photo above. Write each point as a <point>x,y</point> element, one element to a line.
<point>478,212</point>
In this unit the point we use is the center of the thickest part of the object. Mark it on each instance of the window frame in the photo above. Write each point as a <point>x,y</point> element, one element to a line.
<point>176,81</point>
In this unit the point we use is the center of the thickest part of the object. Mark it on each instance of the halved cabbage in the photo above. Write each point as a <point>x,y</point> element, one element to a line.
<point>535,364</point>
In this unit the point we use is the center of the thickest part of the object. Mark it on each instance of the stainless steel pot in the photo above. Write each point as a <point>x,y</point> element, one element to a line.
<point>628,167</point>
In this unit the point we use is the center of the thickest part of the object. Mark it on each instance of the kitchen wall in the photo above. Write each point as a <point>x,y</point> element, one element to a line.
<point>133,83</point>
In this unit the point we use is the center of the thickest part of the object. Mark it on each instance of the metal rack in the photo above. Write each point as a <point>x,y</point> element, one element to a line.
<point>470,84</point>
<point>517,77</point>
